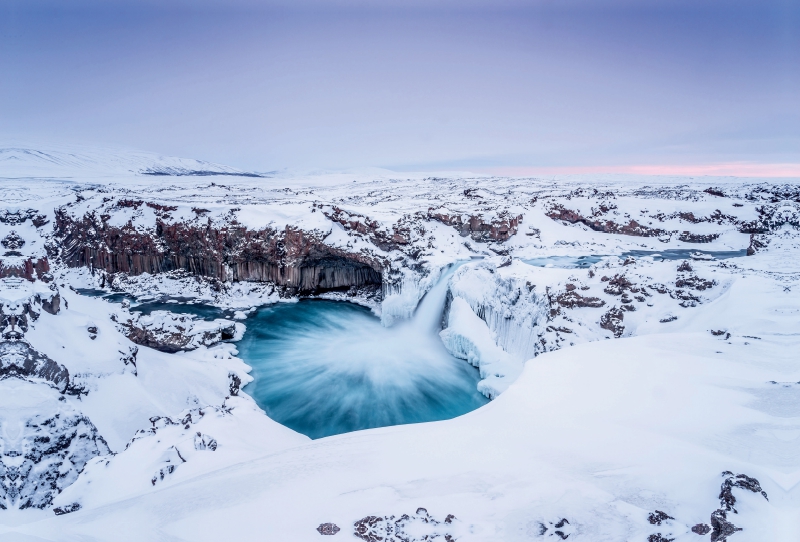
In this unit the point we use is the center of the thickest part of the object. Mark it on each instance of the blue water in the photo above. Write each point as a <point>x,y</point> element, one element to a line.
<point>583,262</point>
<point>325,367</point>
<point>565,262</point>
<point>685,254</point>
<point>179,305</point>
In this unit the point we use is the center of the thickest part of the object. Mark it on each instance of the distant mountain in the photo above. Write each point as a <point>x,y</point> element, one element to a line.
<point>26,161</point>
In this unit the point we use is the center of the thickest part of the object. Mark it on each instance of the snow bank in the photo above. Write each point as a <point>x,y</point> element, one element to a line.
<point>467,337</point>
<point>507,301</point>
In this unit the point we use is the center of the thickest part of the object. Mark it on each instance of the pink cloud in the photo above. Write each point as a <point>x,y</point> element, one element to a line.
<point>732,169</point>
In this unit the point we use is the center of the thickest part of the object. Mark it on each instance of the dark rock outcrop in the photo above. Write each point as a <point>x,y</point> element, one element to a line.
<point>328,529</point>
<point>293,258</point>
<point>721,528</point>
<point>658,517</point>
<point>499,229</point>
<point>417,527</point>
<point>19,360</point>
<point>694,282</point>
<point>612,321</point>
<point>48,456</point>
<point>689,237</point>
<point>170,333</point>
<point>572,299</point>
<point>385,239</point>
<point>27,268</point>
<point>756,244</point>
<point>559,212</point>
<point>701,529</point>
<point>742,481</point>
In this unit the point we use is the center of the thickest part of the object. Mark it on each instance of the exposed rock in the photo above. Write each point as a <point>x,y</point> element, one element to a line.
<point>46,458</point>
<point>721,527</point>
<point>498,229</point>
<point>572,299</point>
<point>772,217</point>
<point>173,459</point>
<point>12,241</point>
<point>694,282</point>
<point>19,216</point>
<point>755,245</point>
<point>19,360</point>
<point>371,529</point>
<point>417,527</point>
<point>205,442</point>
<point>67,509</point>
<point>688,237</point>
<point>658,537</point>
<point>235,384</point>
<point>328,529</point>
<point>742,481</point>
<point>290,257</point>
<point>27,268</point>
<point>388,240</point>
<point>560,528</point>
<point>169,332</point>
<point>618,284</point>
<point>130,357</point>
<point>612,321</point>
<point>50,304</point>
<point>657,517</point>
<point>701,529</point>
<point>558,212</point>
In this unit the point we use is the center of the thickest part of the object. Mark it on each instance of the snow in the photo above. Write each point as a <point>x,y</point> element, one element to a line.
<point>468,337</point>
<point>617,390</point>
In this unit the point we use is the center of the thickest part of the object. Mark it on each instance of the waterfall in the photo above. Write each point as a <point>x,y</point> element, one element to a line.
<point>428,316</point>
<point>405,299</point>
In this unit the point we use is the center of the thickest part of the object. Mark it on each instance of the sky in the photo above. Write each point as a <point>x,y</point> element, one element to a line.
<point>510,86</point>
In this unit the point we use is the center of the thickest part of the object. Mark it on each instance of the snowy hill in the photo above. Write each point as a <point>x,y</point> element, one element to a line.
<point>637,337</point>
<point>24,161</point>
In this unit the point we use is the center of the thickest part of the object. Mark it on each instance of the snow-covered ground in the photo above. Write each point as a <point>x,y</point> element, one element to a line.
<point>634,399</point>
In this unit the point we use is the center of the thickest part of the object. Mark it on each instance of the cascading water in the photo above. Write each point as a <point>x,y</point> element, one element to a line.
<point>428,316</point>
<point>325,367</point>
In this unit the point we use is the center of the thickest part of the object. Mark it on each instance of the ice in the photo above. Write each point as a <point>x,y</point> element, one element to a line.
<point>467,337</point>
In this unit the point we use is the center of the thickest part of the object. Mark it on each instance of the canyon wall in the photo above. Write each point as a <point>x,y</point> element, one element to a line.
<point>290,257</point>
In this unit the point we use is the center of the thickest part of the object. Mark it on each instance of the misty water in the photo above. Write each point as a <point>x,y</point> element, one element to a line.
<point>328,367</point>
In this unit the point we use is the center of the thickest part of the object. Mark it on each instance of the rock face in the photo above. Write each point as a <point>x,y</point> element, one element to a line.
<point>27,268</point>
<point>168,332</point>
<point>19,360</point>
<point>499,229</point>
<point>44,448</point>
<point>46,457</point>
<point>293,258</point>
<point>415,527</point>
<point>612,321</point>
<point>558,212</point>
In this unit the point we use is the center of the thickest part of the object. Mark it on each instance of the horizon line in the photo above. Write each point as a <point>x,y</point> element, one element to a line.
<point>729,169</point>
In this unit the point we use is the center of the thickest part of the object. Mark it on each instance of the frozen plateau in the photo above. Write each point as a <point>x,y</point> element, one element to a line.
<point>633,345</point>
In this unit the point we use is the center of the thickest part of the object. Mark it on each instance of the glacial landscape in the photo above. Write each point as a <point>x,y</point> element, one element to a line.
<point>195,352</point>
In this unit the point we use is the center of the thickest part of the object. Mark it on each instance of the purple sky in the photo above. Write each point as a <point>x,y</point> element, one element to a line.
<point>516,86</point>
